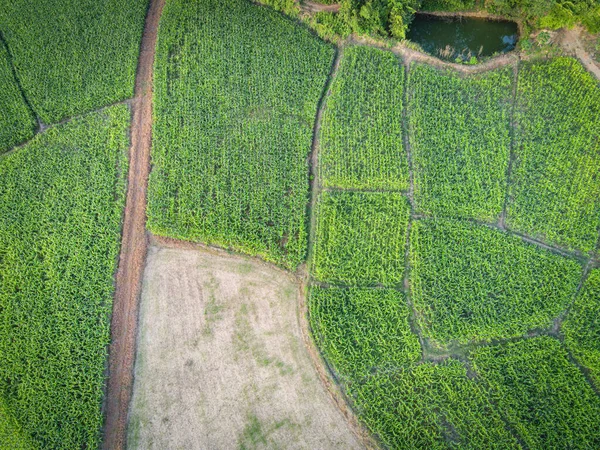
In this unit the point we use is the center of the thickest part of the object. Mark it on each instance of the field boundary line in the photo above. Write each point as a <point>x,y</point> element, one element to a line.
<point>513,141</point>
<point>315,182</point>
<point>134,244</point>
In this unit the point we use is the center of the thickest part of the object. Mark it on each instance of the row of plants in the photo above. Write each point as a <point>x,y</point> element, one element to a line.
<point>460,138</point>
<point>17,123</point>
<point>61,201</point>
<point>236,94</point>
<point>73,57</point>
<point>360,145</point>
<point>554,188</point>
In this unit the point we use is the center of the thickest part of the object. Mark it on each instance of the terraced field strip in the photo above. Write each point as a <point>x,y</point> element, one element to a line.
<point>133,246</point>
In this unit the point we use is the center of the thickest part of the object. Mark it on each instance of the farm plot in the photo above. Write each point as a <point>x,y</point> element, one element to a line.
<point>542,395</point>
<point>236,94</point>
<point>73,56</point>
<point>61,202</point>
<point>221,360</point>
<point>430,406</point>
<point>361,330</point>
<point>459,130</point>
<point>471,282</point>
<point>361,238</point>
<point>361,134</point>
<point>16,121</point>
<point>582,327</point>
<point>554,185</point>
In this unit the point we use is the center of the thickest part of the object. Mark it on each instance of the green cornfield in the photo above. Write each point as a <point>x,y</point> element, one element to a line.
<point>236,94</point>
<point>61,202</point>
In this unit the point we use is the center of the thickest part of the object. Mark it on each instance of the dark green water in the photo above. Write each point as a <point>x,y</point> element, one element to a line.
<point>452,37</point>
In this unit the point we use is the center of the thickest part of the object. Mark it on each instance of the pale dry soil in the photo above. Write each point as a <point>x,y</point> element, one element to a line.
<point>221,363</point>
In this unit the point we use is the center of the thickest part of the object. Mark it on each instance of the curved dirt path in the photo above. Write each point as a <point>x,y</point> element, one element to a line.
<point>313,7</point>
<point>134,244</point>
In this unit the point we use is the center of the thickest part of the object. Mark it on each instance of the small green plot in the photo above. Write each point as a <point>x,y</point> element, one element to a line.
<point>17,124</point>
<point>430,406</point>
<point>555,187</point>
<point>471,282</point>
<point>362,330</point>
<point>542,396</point>
<point>582,327</point>
<point>361,238</point>
<point>459,130</point>
<point>361,135</point>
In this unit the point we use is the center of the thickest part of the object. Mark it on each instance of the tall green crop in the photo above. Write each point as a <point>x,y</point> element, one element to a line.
<point>459,141</point>
<point>361,135</point>
<point>73,56</point>
<point>236,93</point>
<point>470,282</point>
<point>61,202</point>
<point>555,187</point>
<point>16,121</point>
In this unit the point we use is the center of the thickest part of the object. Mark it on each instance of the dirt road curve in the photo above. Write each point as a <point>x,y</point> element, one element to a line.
<point>133,245</point>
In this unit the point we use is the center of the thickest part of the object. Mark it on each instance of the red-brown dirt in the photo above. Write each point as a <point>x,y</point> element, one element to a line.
<point>133,245</point>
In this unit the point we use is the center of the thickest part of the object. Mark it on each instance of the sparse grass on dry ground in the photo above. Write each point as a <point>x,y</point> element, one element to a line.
<point>221,361</point>
<point>61,201</point>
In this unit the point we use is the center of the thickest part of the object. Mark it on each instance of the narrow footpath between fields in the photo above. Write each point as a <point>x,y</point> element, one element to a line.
<point>134,244</point>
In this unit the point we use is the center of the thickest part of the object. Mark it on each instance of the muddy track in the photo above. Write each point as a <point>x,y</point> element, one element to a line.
<point>134,244</point>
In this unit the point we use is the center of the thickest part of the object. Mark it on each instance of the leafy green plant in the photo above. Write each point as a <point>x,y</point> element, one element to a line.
<point>73,56</point>
<point>554,185</point>
<point>459,132</point>
<point>236,93</point>
<point>61,202</point>
<point>17,124</point>
<point>361,133</point>
<point>471,282</point>
<point>582,326</point>
<point>361,238</point>
<point>542,396</point>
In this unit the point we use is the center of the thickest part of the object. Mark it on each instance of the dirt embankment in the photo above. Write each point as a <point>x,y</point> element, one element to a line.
<point>133,245</point>
<point>221,361</point>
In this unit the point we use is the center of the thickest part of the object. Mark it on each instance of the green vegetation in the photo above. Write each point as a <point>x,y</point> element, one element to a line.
<point>582,326</point>
<point>361,238</point>
<point>361,330</point>
<point>379,17</point>
<point>329,25</point>
<point>555,188</point>
<point>11,435</point>
<point>430,406</point>
<point>236,93</point>
<point>459,130</point>
<point>361,135</point>
<point>73,56</point>
<point>289,7</point>
<point>472,282</point>
<point>542,395</point>
<point>16,121</point>
<point>61,202</point>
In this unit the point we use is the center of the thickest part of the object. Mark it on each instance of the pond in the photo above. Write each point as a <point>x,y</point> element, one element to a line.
<point>462,37</point>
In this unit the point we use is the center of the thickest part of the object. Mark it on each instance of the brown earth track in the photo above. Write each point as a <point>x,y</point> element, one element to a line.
<point>313,7</point>
<point>134,244</point>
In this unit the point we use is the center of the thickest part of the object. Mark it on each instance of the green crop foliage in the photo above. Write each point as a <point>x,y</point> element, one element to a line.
<point>361,134</point>
<point>542,395</point>
<point>362,329</point>
<point>16,121</point>
<point>582,326</point>
<point>361,238</point>
<point>555,187</point>
<point>430,406</point>
<point>61,202</point>
<point>73,56</point>
<point>469,281</point>
<point>11,435</point>
<point>459,130</point>
<point>236,94</point>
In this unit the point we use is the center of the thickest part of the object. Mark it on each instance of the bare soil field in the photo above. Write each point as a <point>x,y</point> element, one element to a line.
<point>221,361</point>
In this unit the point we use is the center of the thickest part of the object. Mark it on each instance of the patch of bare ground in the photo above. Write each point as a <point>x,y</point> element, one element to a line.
<point>314,7</point>
<point>221,361</point>
<point>571,42</point>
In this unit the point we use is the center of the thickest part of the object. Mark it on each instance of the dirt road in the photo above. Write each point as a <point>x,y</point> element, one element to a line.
<point>221,361</point>
<point>133,245</point>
